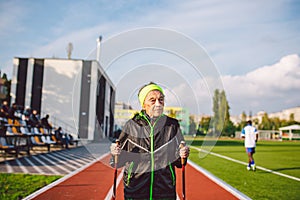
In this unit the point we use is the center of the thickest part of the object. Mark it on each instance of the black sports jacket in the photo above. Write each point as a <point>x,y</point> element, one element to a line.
<point>150,153</point>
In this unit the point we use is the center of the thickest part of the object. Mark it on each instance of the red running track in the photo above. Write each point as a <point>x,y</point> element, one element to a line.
<point>95,182</point>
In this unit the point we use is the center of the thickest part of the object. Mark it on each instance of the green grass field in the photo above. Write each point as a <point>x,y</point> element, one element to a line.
<point>282,157</point>
<point>18,186</point>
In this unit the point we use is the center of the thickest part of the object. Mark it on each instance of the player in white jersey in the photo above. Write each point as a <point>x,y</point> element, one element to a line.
<point>250,134</point>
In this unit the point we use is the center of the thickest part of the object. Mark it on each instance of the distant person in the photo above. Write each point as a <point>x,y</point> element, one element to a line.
<point>12,112</point>
<point>250,134</point>
<point>62,137</point>
<point>3,114</point>
<point>45,123</point>
<point>5,108</point>
<point>34,120</point>
<point>26,115</point>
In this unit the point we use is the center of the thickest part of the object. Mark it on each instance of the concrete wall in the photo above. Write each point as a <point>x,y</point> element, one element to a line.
<point>66,90</point>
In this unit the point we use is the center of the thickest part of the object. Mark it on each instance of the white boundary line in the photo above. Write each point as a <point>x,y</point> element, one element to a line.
<point>110,192</point>
<point>9,168</point>
<point>244,163</point>
<point>24,169</point>
<point>33,165</point>
<point>47,187</point>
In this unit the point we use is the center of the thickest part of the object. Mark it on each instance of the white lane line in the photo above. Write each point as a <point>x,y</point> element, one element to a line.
<point>9,168</point>
<point>34,166</point>
<point>56,164</point>
<point>110,192</point>
<point>46,166</point>
<point>278,173</point>
<point>68,161</point>
<point>71,157</point>
<point>82,159</point>
<point>24,169</point>
<point>244,163</point>
<point>62,162</point>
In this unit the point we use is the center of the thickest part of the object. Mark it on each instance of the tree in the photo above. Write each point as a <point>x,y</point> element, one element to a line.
<point>216,110</point>
<point>243,122</point>
<point>192,126</point>
<point>292,119</point>
<point>203,127</point>
<point>265,123</point>
<point>5,86</point>
<point>229,128</point>
<point>221,119</point>
<point>244,117</point>
<point>275,123</point>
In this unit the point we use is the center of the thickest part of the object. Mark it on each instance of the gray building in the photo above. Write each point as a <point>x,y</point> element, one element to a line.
<point>77,94</point>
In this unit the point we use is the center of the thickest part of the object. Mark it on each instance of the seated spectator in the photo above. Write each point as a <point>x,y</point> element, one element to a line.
<point>12,112</point>
<point>5,106</point>
<point>34,119</point>
<point>3,114</point>
<point>62,137</point>
<point>4,109</point>
<point>45,123</point>
<point>72,140</point>
<point>26,115</point>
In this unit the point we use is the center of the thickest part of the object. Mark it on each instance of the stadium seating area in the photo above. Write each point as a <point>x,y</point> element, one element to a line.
<point>16,137</point>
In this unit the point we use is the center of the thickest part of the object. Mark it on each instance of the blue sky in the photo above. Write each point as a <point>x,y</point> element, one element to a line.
<point>247,40</point>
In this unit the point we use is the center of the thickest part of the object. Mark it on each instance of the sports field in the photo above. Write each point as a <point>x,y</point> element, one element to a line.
<point>278,166</point>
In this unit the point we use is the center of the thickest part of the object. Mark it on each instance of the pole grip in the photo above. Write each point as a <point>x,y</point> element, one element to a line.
<point>116,156</point>
<point>183,160</point>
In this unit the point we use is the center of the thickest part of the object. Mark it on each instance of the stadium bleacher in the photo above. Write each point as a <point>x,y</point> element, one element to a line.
<point>17,136</point>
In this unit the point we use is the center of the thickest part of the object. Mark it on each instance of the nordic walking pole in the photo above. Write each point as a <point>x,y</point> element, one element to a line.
<point>116,173</point>
<point>183,161</point>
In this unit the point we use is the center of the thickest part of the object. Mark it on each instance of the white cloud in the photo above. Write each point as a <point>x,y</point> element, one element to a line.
<point>267,88</point>
<point>282,76</point>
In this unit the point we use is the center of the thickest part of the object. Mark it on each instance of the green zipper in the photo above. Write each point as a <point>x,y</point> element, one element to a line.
<point>152,152</point>
<point>172,173</point>
<point>129,173</point>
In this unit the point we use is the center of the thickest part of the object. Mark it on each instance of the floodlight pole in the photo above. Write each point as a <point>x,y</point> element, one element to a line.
<point>98,48</point>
